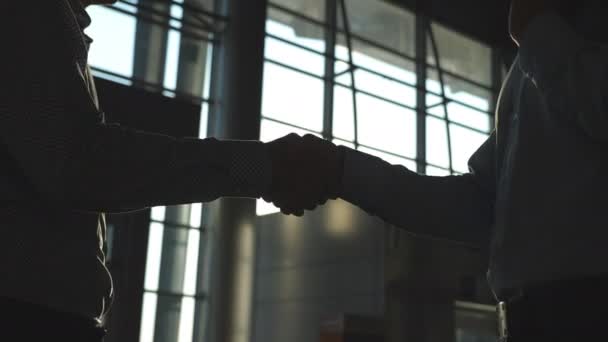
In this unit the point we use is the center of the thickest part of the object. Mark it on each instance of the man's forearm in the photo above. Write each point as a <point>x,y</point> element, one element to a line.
<point>72,159</point>
<point>128,169</point>
<point>453,208</point>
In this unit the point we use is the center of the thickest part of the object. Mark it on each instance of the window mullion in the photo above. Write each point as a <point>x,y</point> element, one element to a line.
<point>330,55</point>
<point>421,77</point>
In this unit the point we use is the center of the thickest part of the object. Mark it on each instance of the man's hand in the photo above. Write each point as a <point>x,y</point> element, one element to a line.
<point>306,172</point>
<point>523,12</point>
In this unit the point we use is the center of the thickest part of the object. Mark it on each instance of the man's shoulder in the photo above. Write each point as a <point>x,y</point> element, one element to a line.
<point>22,22</point>
<point>44,29</point>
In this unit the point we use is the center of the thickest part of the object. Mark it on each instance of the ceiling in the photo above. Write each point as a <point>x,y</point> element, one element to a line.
<point>485,20</point>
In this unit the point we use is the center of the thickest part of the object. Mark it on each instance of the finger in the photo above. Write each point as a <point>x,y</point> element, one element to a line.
<point>286,211</point>
<point>287,207</point>
<point>310,207</point>
<point>309,201</point>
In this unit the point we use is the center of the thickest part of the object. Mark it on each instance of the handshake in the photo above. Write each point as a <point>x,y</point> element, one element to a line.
<point>306,172</point>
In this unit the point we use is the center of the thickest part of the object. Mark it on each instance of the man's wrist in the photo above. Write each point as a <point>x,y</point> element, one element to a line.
<point>250,167</point>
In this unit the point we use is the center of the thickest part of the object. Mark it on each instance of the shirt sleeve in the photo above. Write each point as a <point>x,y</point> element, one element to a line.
<point>570,72</point>
<point>72,159</point>
<point>457,208</point>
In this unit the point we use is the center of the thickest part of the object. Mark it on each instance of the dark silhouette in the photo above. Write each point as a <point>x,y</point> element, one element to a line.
<point>534,196</point>
<point>64,167</point>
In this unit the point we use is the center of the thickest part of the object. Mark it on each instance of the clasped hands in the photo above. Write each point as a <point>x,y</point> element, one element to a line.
<point>306,172</point>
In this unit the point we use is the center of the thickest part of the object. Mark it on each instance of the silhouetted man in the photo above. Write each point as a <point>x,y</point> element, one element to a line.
<point>62,167</point>
<point>535,194</point>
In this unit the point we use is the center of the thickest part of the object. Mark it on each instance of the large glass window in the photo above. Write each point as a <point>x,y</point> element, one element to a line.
<point>113,32</point>
<point>376,81</point>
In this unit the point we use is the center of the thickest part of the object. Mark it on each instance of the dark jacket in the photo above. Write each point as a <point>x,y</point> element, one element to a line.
<point>63,166</point>
<point>535,196</point>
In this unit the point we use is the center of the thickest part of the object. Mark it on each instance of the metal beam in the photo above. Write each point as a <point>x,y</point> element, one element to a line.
<point>421,75</point>
<point>331,10</point>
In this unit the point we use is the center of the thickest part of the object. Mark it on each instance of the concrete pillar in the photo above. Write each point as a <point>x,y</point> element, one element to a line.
<point>238,86</point>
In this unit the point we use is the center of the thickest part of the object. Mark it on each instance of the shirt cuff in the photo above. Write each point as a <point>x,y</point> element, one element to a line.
<point>249,168</point>
<point>547,44</point>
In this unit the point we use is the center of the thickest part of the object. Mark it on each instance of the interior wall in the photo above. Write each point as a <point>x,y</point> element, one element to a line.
<point>313,268</point>
<point>339,260</point>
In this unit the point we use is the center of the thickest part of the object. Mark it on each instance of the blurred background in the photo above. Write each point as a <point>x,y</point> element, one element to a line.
<point>413,82</point>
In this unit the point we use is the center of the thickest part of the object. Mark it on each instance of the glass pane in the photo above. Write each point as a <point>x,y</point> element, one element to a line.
<point>190,276</point>
<point>196,213</point>
<point>374,59</point>
<point>292,97</point>
<point>148,317</point>
<point>386,126</point>
<point>383,23</point>
<point>175,249</point>
<point>389,89</point>
<point>435,171</point>
<point>462,55</point>
<point>310,8</point>
<point>469,117</point>
<point>437,142</point>
<point>295,57</point>
<point>468,96</point>
<point>292,55</point>
<point>173,43</point>
<point>114,40</point>
<point>158,213</point>
<point>271,130</point>
<point>344,119</point>
<point>186,322</point>
<point>378,73</point>
<point>464,143</point>
<point>263,208</point>
<point>295,29</point>
<point>155,244</point>
<point>168,312</point>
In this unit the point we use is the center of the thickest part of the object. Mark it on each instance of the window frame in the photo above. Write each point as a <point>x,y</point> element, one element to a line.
<point>422,66</point>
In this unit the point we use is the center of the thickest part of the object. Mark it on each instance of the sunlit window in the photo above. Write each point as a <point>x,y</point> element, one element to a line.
<point>113,36</point>
<point>458,117</point>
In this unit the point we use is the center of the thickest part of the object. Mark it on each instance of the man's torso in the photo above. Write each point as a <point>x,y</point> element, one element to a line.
<point>551,181</point>
<point>53,256</point>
